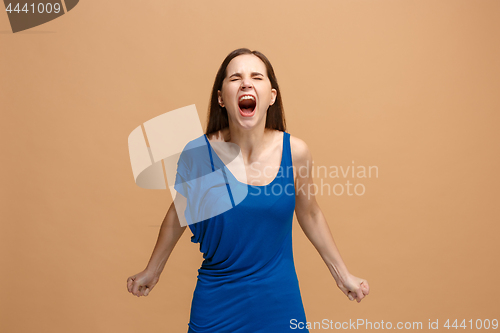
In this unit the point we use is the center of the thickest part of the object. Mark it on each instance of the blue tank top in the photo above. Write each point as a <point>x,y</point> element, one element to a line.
<point>247,282</point>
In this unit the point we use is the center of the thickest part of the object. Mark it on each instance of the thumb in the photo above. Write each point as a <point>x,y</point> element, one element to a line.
<point>136,288</point>
<point>359,295</point>
<point>149,287</point>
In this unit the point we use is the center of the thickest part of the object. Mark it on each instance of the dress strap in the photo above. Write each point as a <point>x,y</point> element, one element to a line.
<point>223,167</point>
<point>287,156</point>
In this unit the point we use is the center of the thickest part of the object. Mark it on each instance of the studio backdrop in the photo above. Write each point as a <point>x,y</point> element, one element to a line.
<point>396,100</point>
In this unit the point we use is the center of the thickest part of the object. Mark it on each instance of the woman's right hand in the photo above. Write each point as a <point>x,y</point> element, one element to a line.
<point>141,284</point>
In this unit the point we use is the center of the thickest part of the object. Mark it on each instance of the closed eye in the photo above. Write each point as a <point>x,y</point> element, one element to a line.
<point>257,78</point>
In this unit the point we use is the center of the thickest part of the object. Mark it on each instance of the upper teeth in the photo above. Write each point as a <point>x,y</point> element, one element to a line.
<point>247,97</point>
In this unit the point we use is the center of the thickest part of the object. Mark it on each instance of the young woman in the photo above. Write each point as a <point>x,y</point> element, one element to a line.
<point>247,281</point>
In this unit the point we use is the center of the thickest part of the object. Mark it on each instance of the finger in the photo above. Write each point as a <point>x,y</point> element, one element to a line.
<point>350,296</point>
<point>130,282</point>
<point>146,292</point>
<point>359,295</point>
<point>366,287</point>
<point>136,289</point>
<point>143,290</point>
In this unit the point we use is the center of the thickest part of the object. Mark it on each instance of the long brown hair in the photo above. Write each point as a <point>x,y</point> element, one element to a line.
<point>217,115</point>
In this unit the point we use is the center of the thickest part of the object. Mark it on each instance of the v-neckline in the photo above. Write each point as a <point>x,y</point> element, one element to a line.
<point>279,168</point>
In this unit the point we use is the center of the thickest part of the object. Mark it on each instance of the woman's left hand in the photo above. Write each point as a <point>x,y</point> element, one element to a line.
<point>354,288</point>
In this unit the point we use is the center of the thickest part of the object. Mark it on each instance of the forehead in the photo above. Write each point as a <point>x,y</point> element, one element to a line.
<point>246,63</point>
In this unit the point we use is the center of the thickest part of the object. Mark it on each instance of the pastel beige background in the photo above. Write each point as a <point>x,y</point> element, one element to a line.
<point>408,86</point>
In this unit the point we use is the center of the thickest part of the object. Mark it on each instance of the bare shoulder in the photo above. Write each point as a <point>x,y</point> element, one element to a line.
<point>300,151</point>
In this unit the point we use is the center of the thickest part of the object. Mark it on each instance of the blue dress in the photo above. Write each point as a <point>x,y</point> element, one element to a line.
<point>247,282</point>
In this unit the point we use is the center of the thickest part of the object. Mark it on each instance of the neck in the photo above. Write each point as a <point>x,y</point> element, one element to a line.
<point>251,141</point>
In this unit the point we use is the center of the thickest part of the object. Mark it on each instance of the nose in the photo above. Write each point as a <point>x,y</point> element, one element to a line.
<point>246,83</point>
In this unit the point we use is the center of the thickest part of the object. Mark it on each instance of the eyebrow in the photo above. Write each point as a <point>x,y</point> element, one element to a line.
<point>238,74</point>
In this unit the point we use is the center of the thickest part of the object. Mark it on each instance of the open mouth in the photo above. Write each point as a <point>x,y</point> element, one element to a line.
<point>247,105</point>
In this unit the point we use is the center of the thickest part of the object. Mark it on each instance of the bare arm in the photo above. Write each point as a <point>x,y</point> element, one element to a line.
<point>170,233</point>
<point>313,223</point>
<point>171,230</point>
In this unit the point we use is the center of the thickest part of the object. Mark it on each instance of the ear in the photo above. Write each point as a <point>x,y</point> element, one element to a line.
<point>219,97</point>
<point>274,93</point>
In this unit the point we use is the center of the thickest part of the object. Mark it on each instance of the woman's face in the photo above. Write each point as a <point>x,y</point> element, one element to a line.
<point>246,91</point>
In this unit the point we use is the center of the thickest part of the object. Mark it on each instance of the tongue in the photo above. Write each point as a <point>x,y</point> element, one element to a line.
<point>247,106</point>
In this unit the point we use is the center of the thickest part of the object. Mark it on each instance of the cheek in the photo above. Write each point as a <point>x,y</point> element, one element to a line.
<point>229,91</point>
<point>265,96</point>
